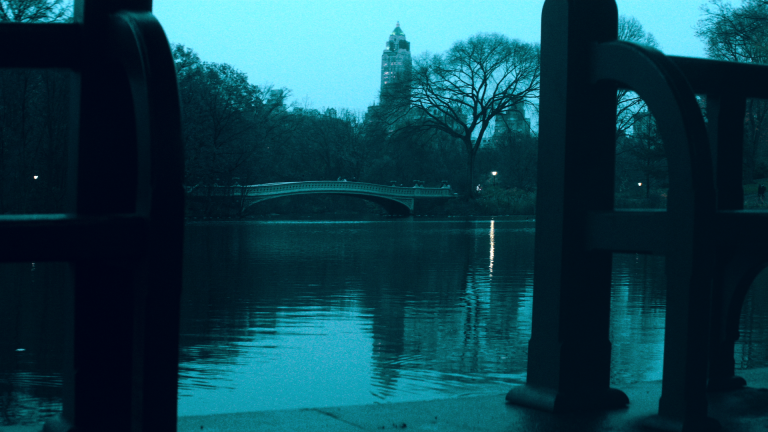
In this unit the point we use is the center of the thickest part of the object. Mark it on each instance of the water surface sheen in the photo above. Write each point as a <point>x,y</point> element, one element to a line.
<point>295,314</point>
<point>287,314</point>
<point>306,314</point>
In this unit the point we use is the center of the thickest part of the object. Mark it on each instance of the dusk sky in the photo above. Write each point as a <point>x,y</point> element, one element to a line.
<point>328,53</point>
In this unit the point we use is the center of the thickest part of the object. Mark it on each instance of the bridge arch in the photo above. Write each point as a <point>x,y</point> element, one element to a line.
<point>395,200</point>
<point>400,207</point>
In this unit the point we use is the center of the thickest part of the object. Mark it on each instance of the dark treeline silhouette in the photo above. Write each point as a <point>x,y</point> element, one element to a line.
<point>463,92</point>
<point>33,140</point>
<point>237,133</point>
<point>33,121</point>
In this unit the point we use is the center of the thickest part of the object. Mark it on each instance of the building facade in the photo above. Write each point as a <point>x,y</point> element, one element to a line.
<point>396,58</point>
<point>513,121</point>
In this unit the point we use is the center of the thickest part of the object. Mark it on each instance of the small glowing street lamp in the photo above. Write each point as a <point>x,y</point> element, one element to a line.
<point>640,184</point>
<point>34,177</point>
<point>494,178</point>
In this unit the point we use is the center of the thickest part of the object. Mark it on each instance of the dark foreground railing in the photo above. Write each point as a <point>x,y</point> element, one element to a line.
<point>123,237</point>
<point>709,243</point>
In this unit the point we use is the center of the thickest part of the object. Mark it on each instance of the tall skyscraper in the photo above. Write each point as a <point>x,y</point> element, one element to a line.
<point>396,59</point>
<point>513,121</point>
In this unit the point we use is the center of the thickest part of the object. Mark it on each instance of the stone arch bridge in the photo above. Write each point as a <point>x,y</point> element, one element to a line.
<point>396,200</point>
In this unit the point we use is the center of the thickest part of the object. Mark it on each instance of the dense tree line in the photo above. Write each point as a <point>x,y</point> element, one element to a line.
<point>462,92</point>
<point>34,122</point>
<point>238,133</point>
<point>641,162</point>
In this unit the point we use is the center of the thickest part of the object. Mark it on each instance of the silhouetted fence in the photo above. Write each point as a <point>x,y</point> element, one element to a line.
<point>713,249</point>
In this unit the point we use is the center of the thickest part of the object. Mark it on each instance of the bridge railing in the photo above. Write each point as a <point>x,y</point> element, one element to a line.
<point>319,186</point>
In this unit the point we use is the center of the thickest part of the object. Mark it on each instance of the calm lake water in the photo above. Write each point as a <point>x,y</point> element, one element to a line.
<point>294,314</point>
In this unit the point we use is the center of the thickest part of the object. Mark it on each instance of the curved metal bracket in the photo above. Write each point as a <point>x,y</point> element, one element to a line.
<point>690,219</point>
<point>669,97</point>
<point>139,44</point>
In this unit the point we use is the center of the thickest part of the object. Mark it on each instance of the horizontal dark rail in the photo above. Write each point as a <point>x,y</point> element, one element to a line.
<point>719,77</point>
<point>743,230</point>
<point>642,231</point>
<point>43,46</point>
<point>60,237</point>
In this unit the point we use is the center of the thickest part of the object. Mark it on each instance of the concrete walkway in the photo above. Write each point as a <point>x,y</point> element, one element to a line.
<point>739,411</point>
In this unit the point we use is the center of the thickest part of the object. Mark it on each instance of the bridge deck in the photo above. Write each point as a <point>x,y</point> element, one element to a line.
<point>395,199</point>
<point>346,187</point>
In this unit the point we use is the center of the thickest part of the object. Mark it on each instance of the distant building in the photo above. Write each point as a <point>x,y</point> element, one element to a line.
<point>370,113</point>
<point>486,142</point>
<point>396,59</point>
<point>513,121</point>
<point>276,97</point>
<point>306,112</point>
<point>450,121</point>
<point>644,124</point>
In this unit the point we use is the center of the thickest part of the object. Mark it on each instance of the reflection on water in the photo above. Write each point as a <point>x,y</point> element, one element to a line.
<point>32,340</point>
<point>491,241</point>
<point>347,313</point>
<point>280,315</point>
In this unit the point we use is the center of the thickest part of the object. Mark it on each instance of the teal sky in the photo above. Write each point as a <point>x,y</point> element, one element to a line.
<point>328,52</point>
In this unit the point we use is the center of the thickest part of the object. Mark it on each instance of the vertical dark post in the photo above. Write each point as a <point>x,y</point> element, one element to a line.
<point>725,116</point>
<point>726,133</point>
<point>569,353</point>
<point>103,289</point>
<point>159,288</point>
<point>124,311</point>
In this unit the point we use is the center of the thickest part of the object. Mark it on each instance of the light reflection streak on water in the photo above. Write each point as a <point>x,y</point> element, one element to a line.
<point>491,235</point>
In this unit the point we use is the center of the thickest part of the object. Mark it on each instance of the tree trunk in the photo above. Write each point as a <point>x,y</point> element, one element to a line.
<point>647,184</point>
<point>472,194</point>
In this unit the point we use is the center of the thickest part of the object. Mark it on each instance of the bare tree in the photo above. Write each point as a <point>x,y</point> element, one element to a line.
<point>34,11</point>
<point>460,92</point>
<point>226,120</point>
<point>33,121</point>
<point>741,34</point>
<point>735,33</point>
<point>647,150</point>
<point>628,103</point>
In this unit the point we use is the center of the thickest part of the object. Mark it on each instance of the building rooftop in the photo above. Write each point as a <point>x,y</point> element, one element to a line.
<point>397,31</point>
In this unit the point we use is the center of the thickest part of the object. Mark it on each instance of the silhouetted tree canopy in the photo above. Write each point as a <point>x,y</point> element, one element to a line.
<point>34,11</point>
<point>461,91</point>
<point>34,115</point>
<point>628,102</point>
<point>227,122</point>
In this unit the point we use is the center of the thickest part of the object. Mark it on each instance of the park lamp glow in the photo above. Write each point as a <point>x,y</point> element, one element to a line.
<point>34,177</point>
<point>640,183</point>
